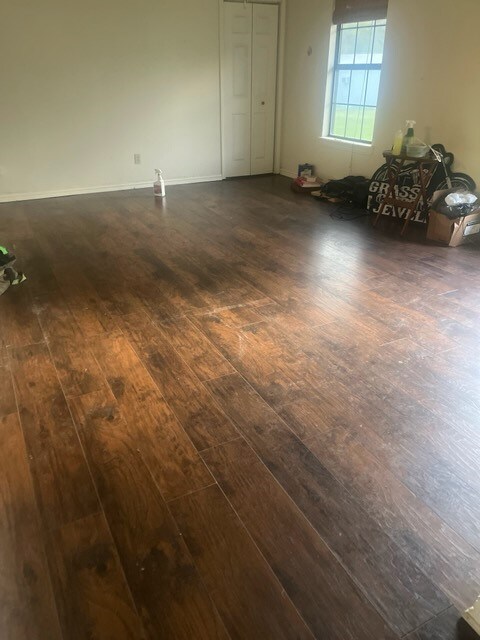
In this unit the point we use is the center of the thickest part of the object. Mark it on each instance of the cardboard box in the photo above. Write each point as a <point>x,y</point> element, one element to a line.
<point>452,232</point>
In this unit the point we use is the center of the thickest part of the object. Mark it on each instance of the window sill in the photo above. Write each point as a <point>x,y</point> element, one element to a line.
<point>363,148</point>
<point>354,143</point>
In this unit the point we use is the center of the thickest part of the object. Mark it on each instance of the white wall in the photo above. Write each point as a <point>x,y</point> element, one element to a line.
<point>432,52</point>
<point>86,84</point>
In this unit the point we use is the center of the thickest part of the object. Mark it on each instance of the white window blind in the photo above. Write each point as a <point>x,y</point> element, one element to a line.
<point>359,10</point>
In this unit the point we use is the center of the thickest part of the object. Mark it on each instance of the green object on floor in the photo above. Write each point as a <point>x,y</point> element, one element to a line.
<point>19,278</point>
<point>8,274</point>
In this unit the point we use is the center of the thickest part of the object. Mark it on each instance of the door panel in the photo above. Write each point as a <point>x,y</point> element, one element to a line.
<point>236,88</point>
<point>240,137</point>
<point>259,138</point>
<point>264,81</point>
<point>249,74</point>
<point>241,72</point>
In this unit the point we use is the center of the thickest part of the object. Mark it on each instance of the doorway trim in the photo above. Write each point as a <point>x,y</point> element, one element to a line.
<point>282,5</point>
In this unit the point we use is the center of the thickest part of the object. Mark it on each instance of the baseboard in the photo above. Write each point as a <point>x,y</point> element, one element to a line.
<point>39,195</point>
<point>192,180</point>
<point>287,174</point>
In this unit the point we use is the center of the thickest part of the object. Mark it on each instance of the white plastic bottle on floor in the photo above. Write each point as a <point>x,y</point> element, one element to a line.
<point>159,185</point>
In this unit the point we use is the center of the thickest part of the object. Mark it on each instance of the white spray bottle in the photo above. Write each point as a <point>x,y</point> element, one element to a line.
<point>409,136</point>
<point>159,185</point>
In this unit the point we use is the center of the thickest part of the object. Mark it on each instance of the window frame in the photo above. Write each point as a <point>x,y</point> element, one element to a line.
<point>337,66</point>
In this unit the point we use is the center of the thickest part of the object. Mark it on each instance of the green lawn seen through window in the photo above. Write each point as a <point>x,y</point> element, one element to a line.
<point>350,123</point>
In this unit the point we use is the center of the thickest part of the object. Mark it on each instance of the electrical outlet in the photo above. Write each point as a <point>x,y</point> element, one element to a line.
<point>137,159</point>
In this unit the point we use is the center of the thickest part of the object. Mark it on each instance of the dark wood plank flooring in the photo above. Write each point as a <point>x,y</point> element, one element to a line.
<point>228,415</point>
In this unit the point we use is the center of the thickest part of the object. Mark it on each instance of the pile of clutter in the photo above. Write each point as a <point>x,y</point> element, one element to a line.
<point>351,190</point>
<point>306,181</point>
<point>454,217</point>
<point>458,204</point>
<point>8,275</point>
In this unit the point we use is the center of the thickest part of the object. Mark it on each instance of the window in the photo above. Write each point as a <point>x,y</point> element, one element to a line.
<point>357,69</point>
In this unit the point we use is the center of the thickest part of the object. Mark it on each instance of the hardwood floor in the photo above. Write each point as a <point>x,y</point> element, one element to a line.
<point>229,416</point>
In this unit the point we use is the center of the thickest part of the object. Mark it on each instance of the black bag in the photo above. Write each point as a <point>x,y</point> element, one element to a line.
<point>352,189</point>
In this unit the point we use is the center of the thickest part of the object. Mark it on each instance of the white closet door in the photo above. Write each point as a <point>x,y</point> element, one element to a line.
<point>264,80</point>
<point>237,88</point>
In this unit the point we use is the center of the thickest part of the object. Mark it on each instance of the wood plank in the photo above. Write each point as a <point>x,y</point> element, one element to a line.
<point>19,319</point>
<point>86,305</point>
<point>33,261</point>
<point>310,415</point>
<point>399,590</point>
<point>95,265</point>
<point>92,595</point>
<point>119,299</point>
<point>297,316</point>
<point>55,316</point>
<point>166,588</point>
<point>310,574</point>
<point>165,446</point>
<point>198,352</point>
<point>435,475</point>
<point>268,372</point>
<point>242,585</point>
<point>414,444</point>
<point>200,416</point>
<point>426,332</point>
<point>415,431</point>
<point>431,464</point>
<point>238,316</point>
<point>434,547</point>
<point>63,485</point>
<point>8,403</point>
<point>219,283</point>
<point>435,372</point>
<point>76,366</point>
<point>182,293</point>
<point>445,626</point>
<point>387,407</point>
<point>27,609</point>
